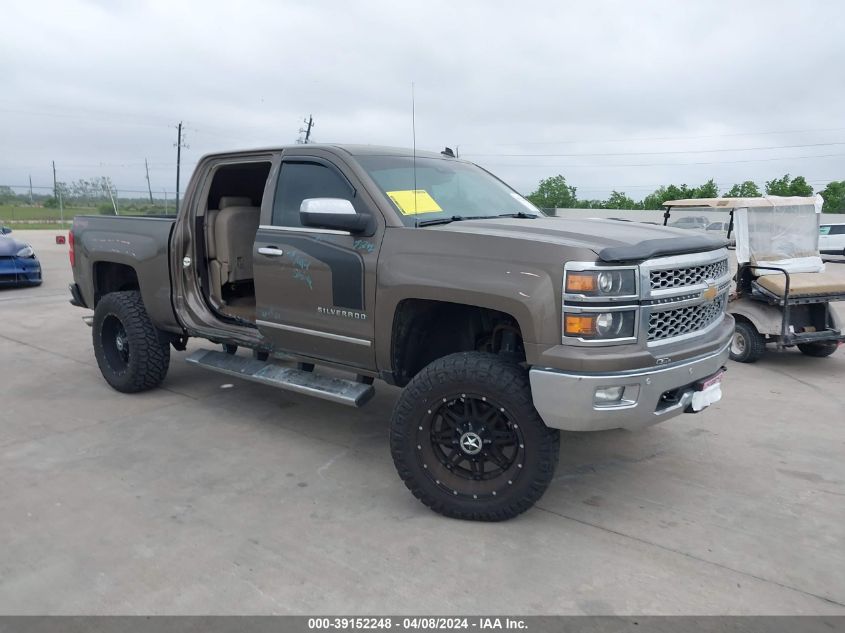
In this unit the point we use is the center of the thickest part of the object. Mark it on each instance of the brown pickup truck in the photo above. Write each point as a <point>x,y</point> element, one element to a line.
<point>337,265</point>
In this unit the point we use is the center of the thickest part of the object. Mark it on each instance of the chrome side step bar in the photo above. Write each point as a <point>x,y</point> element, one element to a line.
<point>340,390</point>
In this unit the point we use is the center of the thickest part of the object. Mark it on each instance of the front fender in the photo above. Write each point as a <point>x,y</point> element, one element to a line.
<point>516,277</point>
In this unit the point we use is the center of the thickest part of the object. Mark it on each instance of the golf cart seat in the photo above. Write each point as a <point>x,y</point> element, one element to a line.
<point>824,285</point>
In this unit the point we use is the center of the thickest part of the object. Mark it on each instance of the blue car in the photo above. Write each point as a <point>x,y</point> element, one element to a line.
<point>18,264</point>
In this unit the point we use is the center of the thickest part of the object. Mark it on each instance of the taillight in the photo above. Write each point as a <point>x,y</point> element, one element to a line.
<point>70,251</point>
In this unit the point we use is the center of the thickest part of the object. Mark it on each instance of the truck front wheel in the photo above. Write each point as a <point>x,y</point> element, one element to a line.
<point>467,441</point>
<point>130,353</point>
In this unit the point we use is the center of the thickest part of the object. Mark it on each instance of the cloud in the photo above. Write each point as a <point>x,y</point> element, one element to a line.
<point>98,86</point>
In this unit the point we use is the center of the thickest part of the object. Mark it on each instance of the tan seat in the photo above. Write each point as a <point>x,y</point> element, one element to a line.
<point>804,284</point>
<point>231,234</point>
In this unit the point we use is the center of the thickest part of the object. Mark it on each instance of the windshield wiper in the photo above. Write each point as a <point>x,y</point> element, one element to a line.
<point>454,218</point>
<point>457,218</point>
<point>518,214</point>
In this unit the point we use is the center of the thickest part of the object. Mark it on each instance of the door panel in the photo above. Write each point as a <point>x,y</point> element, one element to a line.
<point>315,288</point>
<point>312,299</point>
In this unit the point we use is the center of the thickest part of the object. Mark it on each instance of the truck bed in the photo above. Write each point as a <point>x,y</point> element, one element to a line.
<point>138,242</point>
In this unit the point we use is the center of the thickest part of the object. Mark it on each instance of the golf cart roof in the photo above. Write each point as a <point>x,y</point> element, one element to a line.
<point>739,203</point>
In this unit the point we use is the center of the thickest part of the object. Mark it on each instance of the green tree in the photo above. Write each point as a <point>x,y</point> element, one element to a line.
<point>660,195</point>
<point>708,190</point>
<point>618,200</point>
<point>554,193</point>
<point>788,186</point>
<point>834,197</point>
<point>747,189</point>
<point>656,199</point>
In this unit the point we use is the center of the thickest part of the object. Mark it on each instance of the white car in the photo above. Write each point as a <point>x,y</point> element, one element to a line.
<point>832,239</point>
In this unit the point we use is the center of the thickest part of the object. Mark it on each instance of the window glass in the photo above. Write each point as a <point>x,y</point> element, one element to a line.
<point>444,188</point>
<point>299,181</point>
<point>824,229</point>
<point>837,229</point>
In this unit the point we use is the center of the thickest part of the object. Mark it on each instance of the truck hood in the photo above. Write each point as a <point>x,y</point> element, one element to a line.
<point>611,240</point>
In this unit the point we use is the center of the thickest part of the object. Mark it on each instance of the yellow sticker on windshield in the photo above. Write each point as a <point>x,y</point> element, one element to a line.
<point>414,202</point>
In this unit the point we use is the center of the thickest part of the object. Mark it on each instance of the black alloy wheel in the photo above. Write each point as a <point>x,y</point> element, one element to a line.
<point>469,446</point>
<point>468,442</point>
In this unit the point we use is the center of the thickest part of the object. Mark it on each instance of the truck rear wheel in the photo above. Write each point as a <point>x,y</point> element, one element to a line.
<point>748,344</point>
<point>820,349</point>
<point>130,353</point>
<point>467,441</point>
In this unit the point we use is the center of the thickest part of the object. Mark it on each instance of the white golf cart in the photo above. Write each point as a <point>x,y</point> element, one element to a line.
<point>782,291</point>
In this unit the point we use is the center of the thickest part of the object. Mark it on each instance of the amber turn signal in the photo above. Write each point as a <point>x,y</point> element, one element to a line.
<point>580,282</point>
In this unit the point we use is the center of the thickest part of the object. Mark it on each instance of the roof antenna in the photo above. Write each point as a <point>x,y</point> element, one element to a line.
<point>414,151</point>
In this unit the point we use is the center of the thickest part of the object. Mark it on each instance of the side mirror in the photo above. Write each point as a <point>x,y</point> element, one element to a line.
<point>331,213</point>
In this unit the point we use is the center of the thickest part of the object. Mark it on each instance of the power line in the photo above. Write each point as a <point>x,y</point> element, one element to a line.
<point>634,139</point>
<point>97,115</point>
<point>605,165</point>
<point>91,115</point>
<point>50,188</point>
<point>618,187</point>
<point>666,152</point>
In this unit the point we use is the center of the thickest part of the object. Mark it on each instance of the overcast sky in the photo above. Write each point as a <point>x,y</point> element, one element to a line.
<point>617,95</point>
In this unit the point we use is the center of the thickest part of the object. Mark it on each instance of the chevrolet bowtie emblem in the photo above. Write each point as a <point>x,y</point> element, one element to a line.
<point>710,293</point>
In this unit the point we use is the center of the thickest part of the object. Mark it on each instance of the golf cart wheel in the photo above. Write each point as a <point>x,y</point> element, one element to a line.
<point>130,352</point>
<point>467,440</point>
<point>747,345</point>
<point>820,349</point>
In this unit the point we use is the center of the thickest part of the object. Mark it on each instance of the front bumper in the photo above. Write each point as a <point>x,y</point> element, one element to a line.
<point>564,400</point>
<point>15,271</point>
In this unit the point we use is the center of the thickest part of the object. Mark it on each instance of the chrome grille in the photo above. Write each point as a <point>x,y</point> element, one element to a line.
<point>670,323</point>
<point>688,276</point>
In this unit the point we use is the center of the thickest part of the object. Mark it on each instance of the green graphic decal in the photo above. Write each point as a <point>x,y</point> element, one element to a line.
<point>301,265</point>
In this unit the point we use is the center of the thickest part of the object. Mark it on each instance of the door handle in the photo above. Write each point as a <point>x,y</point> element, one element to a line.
<point>270,251</point>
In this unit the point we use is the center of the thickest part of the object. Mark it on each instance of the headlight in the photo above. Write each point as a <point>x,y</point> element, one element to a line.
<point>601,283</point>
<point>596,326</point>
<point>26,251</point>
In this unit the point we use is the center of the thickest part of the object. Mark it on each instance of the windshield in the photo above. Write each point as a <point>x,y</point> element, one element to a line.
<point>445,189</point>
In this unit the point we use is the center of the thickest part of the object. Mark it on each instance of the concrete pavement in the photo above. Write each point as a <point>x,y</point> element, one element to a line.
<point>213,495</point>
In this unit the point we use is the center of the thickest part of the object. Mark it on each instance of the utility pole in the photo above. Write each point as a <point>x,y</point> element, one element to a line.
<point>58,196</point>
<point>30,190</point>
<point>107,187</point>
<point>149,188</point>
<point>179,146</point>
<point>309,123</point>
<point>165,201</point>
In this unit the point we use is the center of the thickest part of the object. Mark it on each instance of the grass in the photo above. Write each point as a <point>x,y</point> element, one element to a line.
<point>26,217</point>
<point>9,214</point>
